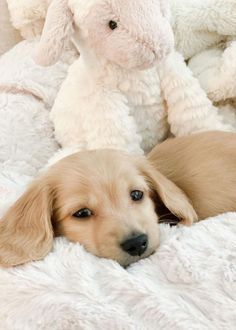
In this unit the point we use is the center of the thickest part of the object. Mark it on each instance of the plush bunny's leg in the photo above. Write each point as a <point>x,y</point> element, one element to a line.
<point>216,71</point>
<point>189,109</point>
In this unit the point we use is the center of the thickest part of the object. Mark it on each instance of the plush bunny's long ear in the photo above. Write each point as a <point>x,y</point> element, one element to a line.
<point>173,198</point>
<point>26,232</point>
<point>56,35</point>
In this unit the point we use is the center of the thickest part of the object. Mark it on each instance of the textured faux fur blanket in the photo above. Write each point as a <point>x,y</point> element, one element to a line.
<point>189,283</point>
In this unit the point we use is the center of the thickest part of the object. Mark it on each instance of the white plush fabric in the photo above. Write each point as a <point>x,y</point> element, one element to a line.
<point>215,69</point>
<point>189,283</point>
<point>9,36</point>
<point>205,33</point>
<point>200,24</point>
<point>26,136</point>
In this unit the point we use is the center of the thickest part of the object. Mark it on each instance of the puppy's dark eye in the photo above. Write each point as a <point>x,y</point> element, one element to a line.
<point>136,195</point>
<point>113,25</point>
<point>83,213</point>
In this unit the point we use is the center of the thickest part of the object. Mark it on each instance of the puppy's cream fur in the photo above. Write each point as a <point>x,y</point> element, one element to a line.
<point>101,181</point>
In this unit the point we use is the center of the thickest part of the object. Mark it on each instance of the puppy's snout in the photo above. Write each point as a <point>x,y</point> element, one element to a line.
<point>136,246</point>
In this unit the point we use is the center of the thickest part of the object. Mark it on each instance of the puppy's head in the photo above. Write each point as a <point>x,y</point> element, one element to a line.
<point>102,199</point>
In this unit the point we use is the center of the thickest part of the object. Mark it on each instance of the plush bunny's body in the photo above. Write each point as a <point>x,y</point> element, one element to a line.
<point>129,88</point>
<point>115,108</point>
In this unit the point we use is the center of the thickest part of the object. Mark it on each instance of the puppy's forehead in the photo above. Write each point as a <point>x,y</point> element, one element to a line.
<point>100,165</point>
<point>96,178</point>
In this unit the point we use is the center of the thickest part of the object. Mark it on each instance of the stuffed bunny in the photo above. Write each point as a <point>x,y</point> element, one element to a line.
<point>117,94</point>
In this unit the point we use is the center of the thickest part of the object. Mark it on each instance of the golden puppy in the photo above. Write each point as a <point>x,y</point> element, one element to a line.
<point>105,200</point>
<point>111,202</point>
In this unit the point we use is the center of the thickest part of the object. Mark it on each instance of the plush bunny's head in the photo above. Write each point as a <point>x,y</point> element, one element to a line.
<point>131,33</point>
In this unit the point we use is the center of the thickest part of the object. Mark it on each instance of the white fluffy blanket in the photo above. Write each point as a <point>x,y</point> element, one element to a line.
<point>190,283</point>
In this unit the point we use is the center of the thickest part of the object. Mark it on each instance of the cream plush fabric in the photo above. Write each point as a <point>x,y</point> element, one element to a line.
<point>189,283</point>
<point>9,36</point>
<point>28,16</point>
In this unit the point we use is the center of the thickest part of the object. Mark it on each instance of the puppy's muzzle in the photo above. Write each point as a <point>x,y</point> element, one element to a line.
<point>136,245</point>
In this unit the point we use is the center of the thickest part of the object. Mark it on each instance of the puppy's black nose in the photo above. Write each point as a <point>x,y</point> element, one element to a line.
<point>136,246</point>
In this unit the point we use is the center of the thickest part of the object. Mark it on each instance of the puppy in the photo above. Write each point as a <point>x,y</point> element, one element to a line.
<point>111,202</point>
<point>106,200</point>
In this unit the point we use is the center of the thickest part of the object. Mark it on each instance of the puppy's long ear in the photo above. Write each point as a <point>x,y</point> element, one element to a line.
<point>26,232</point>
<point>172,196</point>
<point>56,35</point>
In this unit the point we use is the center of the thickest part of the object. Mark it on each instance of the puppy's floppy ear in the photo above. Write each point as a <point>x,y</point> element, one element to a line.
<point>174,199</point>
<point>26,232</point>
<point>56,35</point>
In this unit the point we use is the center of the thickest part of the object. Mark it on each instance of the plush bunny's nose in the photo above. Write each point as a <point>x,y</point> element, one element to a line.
<point>135,246</point>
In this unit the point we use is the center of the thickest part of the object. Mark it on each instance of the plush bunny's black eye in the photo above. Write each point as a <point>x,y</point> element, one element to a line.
<point>113,25</point>
<point>83,213</point>
<point>136,195</point>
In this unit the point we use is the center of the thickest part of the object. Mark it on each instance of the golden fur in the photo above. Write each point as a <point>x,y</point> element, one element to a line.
<point>101,181</point>
<point>204,167</point>
<point>191,178</point>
